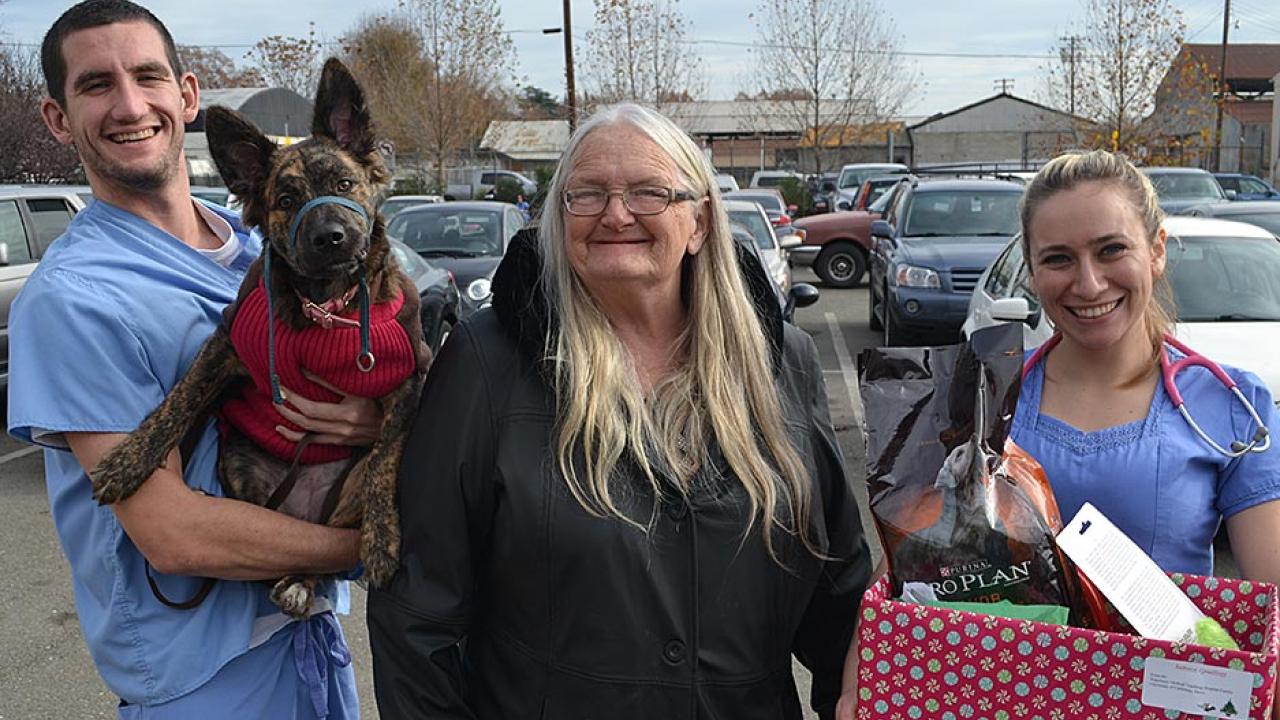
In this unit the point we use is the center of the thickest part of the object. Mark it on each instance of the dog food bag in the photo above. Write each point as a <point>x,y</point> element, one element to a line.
<point>959,507</point>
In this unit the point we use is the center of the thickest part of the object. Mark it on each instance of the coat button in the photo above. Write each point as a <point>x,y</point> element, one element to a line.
<point>673,652</point>
<point>678,510</point>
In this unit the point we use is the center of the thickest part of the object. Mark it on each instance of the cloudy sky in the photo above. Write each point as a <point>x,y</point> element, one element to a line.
<point>959,48</point>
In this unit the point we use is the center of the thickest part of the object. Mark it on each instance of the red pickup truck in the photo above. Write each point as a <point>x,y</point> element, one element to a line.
<point>836,245</point>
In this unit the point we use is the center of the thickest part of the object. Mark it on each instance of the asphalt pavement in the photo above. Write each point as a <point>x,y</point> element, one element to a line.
<point>45,670</point>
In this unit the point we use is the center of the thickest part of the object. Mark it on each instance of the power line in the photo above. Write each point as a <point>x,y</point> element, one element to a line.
<point>860,51</point>
<point>1207,23</point>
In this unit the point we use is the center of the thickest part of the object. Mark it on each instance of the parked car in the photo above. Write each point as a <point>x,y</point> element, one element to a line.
<point>773,178</point>
<point>751,216</point>
<point>465,238</point>
<point>726,182</point>
<point>31,218</point>
<point>775,206</point>
<point>837,244</point>
<point>822,193</point>
<point>1246,187</point>
<point>852,176</point>
<point>469,183</point>
<point>438,296</point>
<point>216,195</point>
<point>751,228</point>
<point>935,240</point>
<point>1226,292</point>
<point>871,190</point>
<point>396,203</point>
<point>1263,213</point>
<point>1180,188</point>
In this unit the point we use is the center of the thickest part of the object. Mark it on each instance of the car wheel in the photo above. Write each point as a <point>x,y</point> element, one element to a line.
<point>841,265</point>
<point>873,308</point>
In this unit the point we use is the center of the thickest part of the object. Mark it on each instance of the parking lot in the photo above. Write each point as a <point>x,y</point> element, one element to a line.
<point>45,671</point>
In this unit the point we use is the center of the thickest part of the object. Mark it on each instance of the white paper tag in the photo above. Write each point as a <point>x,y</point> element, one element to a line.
<point>1205,690</point>
<point>1127,577</point>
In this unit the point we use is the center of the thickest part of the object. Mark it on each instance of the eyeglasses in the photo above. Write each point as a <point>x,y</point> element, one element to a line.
<point>640,200</point>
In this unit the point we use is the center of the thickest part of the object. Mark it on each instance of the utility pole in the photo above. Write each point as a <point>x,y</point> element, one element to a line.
<point>1004,84</point>
<point>571,92</point>
<point>1222,87</point>
<point>1071,54</point>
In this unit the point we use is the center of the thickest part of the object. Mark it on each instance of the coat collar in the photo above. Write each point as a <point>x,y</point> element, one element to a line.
<point>523,311</point>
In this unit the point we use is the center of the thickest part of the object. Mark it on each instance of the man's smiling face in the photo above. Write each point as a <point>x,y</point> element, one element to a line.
<point>125,110</point>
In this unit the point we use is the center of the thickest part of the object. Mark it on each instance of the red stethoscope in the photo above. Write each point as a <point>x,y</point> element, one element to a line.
<point>1168,371</point>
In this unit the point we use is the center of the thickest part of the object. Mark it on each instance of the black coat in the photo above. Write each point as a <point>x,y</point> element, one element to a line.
<point>513,602</point>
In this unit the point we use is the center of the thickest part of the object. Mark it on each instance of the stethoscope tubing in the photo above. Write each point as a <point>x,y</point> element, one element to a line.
<point>1261,439</point>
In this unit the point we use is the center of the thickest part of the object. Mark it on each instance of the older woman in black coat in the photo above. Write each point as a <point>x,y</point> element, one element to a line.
<point>622,497</point>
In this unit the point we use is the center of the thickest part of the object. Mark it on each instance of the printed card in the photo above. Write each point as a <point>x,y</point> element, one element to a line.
<point>1194,688</point>
<point>1128,578</point>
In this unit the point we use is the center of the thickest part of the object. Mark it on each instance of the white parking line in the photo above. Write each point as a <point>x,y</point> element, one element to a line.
<point>847,369</point>
<point>19,453</point>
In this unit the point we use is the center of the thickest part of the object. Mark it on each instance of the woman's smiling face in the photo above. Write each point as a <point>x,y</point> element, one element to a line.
<point>1093,265</point>
<point>618,250</point>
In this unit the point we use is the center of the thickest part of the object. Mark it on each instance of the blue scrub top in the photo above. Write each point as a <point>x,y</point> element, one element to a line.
<point>102,330</point>
<point>1155,478</point>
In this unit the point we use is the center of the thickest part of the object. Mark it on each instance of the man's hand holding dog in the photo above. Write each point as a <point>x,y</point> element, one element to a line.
<point>353,421</point>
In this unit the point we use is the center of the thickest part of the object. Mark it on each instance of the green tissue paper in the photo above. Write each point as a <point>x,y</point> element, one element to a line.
<point>1054,614</point>
<point>1210,634</point>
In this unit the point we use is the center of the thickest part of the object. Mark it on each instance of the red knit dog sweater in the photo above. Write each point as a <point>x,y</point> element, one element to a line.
<point>326,353</point>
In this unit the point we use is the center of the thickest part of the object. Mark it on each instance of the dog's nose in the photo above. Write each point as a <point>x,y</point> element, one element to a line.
<point>327,236</point>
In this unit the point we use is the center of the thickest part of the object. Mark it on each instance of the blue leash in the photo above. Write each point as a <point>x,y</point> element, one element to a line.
<point>365,360</point>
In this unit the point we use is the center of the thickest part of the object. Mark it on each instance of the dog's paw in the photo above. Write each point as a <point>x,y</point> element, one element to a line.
<point>293,596</point>
<point>116,478</point>
<point>381,560</point>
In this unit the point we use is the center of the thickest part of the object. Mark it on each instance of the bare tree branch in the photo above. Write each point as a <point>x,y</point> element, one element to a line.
<point>434,72</point>
<point>831,66</point>
<point>28,153</point>
<point>637,52</point>
<point>289,62</point>
<point>1121,55</point>
<point>214,69</point>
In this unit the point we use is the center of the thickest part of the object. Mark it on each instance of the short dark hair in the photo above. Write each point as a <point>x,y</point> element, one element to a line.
<point>91,14</point>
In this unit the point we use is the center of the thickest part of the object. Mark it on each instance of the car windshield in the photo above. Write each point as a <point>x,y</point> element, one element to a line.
<point>1183,186</point>
<point>449,231</point>
<point>878,189</point>
<point>754,223</point>
<point>771,180</point>
<point>854,177</point>
<point>1220,279</point>
<point>970,212</point>
<point>1267,221</point>
<point>879,203</point>
<point>412,264</point>
<point>767,201</point>
<point>395,205</point>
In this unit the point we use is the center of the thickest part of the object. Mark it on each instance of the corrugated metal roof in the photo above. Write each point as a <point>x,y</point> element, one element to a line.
<point>750,117</point>
<point>527,139</point>
<point>1246,61</point>
<point>233,98</point>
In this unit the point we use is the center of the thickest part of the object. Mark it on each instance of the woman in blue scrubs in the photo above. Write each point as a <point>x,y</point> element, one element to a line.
<point>1093,409</point>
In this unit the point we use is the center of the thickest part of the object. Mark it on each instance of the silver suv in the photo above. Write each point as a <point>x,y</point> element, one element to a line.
<point>31,217</point>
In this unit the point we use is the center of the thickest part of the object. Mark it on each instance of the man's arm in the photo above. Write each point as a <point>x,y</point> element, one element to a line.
<point>182,532</point>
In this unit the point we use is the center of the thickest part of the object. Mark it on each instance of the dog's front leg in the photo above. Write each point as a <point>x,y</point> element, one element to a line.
<point>373,484</point>
<point>130,463</point>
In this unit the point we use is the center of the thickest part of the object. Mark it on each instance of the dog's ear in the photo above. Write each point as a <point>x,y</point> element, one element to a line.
<point>341,113</point>
<point>243,156</point>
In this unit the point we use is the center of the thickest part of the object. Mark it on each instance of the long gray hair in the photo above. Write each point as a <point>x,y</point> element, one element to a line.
<point>723,391</point>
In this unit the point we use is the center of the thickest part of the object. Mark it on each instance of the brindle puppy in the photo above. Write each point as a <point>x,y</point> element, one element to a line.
<point>321,262</point>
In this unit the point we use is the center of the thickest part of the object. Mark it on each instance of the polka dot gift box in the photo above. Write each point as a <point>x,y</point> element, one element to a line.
<point>919,662</point>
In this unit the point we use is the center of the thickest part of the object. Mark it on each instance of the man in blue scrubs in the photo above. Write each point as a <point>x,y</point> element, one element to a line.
<point>103,329</point>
